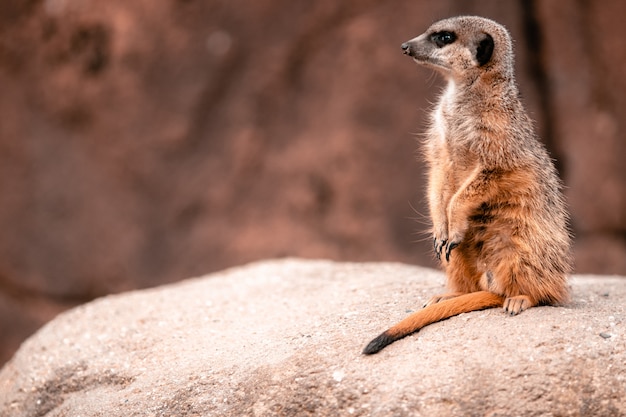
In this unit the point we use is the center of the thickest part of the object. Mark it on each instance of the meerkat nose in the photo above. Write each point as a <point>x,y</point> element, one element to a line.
<point>406,48</point>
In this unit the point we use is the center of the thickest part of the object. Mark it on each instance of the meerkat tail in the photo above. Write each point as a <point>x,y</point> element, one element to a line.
<point>433,313</point>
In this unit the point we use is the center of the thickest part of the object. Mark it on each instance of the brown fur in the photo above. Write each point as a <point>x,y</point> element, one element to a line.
<point>498,214</point>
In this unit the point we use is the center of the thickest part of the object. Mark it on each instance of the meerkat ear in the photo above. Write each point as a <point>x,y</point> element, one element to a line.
<point>484,50</point>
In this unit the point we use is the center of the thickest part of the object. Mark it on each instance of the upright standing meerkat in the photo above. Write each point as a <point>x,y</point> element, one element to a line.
<point>500,226</point>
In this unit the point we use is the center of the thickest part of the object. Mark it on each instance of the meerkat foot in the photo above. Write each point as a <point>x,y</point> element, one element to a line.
<point>442,297</point>
<point>517,304</point>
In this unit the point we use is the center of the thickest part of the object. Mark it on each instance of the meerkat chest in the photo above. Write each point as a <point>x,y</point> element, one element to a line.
<point>443,113</point>
<point>448,131</point>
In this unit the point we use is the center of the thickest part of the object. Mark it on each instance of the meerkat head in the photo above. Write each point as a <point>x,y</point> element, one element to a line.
<point>464,48</point>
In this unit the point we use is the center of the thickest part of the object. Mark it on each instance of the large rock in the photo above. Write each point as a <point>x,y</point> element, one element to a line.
<point>143,141</point>
<point>284,338</point>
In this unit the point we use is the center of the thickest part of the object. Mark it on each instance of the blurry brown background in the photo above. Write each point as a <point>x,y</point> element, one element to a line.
<point>143,142</point>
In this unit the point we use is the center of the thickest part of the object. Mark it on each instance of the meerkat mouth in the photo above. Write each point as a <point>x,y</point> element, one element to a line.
<point>430,63</point>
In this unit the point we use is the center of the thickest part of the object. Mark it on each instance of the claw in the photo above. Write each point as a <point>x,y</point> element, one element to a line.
<point>449,247</point>
<point>439,245</point>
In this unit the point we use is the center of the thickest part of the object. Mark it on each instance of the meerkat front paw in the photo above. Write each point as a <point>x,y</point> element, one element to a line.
<point>440,239</point>
<point>449,247</point>
<point>456,233</point>
<point>438,245</point>
<point>453,241</point>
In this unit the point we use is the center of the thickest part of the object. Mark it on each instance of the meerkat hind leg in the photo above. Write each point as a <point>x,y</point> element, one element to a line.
<point>441,297</point>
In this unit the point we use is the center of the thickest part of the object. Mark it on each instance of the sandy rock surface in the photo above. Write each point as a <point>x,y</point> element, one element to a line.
<point>146,141</point>
<point>285,338</point>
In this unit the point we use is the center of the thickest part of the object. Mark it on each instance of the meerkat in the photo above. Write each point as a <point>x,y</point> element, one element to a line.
<point>499,221</point>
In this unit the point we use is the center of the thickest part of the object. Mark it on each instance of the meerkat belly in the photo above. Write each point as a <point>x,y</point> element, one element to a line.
<point>496,242</point>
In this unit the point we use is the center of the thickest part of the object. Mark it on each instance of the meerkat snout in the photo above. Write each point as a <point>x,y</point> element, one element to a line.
<point>412,48</point>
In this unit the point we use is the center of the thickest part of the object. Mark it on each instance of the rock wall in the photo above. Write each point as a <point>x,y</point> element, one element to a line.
<point>143,142</point>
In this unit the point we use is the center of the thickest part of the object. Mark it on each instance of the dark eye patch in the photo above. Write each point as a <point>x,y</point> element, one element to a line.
<point>443,38</point>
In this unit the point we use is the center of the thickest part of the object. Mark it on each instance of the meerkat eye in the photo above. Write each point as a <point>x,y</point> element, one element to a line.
<point>443,38</point>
